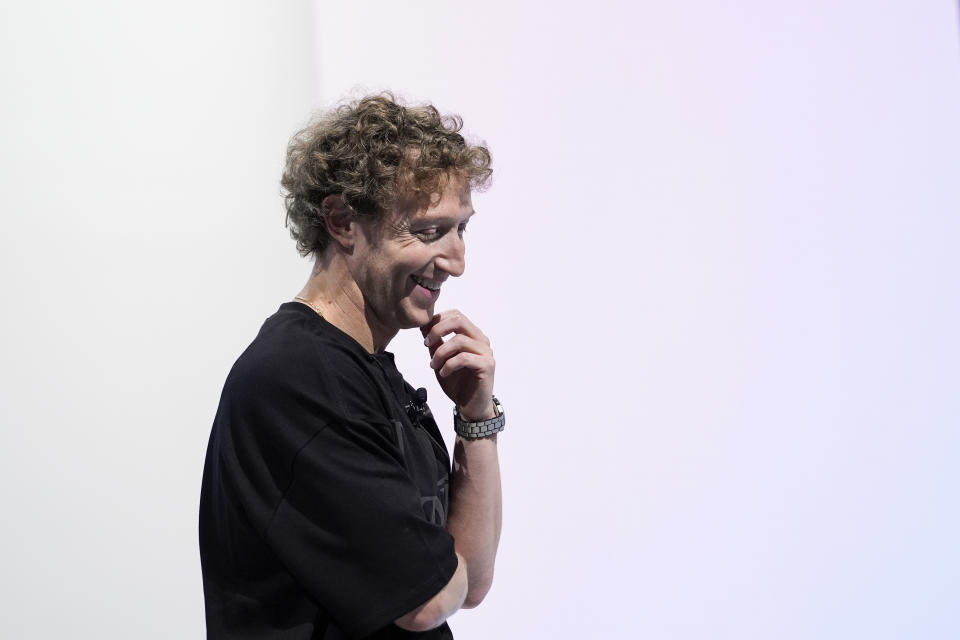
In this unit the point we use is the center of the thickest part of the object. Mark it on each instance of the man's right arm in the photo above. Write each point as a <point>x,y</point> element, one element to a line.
<point>465,370</point>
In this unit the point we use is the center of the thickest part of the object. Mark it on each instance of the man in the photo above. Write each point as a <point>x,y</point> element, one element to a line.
<point>328,507</point>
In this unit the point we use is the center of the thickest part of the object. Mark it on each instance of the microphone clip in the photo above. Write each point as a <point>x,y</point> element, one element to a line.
<point>417,407</point>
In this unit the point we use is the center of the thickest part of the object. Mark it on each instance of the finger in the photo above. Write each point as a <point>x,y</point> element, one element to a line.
<point>457,344</point>
<point>465,360</point>
<point>477,345</point>
<point>448,322</point>
<point>442,324</point>
<point>425,328</point>
<point>429,341</point>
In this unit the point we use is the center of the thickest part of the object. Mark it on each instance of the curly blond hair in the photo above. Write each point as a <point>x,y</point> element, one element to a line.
<point>378,155</point>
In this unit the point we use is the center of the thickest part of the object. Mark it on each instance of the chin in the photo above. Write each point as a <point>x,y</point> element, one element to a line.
<point>417,318</point>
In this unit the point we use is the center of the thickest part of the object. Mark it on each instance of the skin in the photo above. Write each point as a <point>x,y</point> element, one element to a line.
<point>366,284</point>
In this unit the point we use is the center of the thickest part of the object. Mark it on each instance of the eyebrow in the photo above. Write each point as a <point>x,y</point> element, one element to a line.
<point>444,219</point>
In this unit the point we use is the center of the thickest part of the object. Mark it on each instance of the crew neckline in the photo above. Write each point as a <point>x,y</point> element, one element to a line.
<point>307,311</point>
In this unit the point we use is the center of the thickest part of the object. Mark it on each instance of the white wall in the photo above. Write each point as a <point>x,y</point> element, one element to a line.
<point>141,245</point>
<point>716,264</point>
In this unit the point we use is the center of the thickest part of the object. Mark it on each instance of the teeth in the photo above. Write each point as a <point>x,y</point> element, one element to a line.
<point>426,285</point>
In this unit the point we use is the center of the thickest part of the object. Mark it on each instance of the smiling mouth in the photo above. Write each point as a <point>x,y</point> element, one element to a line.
<point>427,284</point>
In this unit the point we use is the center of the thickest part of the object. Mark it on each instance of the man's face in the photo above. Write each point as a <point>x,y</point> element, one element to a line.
<point>401,264</point>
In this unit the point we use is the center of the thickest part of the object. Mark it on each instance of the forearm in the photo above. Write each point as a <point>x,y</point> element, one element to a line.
<point>475,511</point>
<point>465,370</point>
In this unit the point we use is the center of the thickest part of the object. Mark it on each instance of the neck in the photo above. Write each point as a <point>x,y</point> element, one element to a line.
<point>332,289</point>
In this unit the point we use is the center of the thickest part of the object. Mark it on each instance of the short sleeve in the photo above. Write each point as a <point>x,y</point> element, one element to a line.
<point>352,530</point>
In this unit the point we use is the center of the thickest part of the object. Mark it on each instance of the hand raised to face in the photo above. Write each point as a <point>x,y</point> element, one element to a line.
<point>463,363</point>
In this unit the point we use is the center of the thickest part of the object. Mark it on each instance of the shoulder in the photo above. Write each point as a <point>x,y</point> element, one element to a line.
<point>299,382</point>
<point>299,358</point>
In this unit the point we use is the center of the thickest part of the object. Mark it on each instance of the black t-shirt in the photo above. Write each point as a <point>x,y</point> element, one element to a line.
<point>325,491</point>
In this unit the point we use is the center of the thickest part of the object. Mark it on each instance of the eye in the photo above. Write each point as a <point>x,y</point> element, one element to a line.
<point>430,233</point>
<point>461,229</point>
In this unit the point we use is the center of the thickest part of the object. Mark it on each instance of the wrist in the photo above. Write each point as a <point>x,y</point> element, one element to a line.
<point>474,413</point>
<point>471,427</point>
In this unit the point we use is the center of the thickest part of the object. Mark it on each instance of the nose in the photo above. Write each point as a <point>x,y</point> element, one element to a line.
<point>452,258</point>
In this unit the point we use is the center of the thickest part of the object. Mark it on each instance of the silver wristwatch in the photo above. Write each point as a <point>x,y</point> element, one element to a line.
<point>481,429</point>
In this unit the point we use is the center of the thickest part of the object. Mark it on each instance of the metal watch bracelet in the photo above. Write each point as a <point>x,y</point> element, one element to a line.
<point>482,428</point>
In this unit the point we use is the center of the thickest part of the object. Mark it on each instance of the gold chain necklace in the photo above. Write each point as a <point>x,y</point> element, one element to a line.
<point>309,304</point>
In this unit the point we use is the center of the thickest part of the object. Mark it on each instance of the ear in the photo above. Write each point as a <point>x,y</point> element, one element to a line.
<point>341,224</point>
